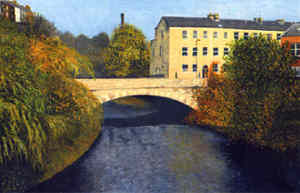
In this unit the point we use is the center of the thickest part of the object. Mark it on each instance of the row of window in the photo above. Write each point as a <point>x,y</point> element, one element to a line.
<point>185,68</point>
<point>295,49</point>
<point>225,36</point>
<point>204,51</point>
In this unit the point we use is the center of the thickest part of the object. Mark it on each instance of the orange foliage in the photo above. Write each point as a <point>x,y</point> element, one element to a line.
<point>60,63</point>
<point>51,56</point>
<point>214,107</point>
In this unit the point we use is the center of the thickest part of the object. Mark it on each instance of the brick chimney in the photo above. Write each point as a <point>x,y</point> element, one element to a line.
<point>122,19</point>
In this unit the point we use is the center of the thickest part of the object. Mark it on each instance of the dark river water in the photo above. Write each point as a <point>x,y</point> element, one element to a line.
<point>150,151</point>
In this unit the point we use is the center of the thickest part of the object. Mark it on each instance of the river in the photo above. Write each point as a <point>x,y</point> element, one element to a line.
<point>151,151</point>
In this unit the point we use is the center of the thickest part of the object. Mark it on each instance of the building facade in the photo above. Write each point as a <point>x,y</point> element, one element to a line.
<point>12,11</point>
<point>187,47</point>
<point>292,36</point>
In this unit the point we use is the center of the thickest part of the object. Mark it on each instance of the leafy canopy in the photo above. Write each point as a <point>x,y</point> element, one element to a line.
<point>128,53</point>
<point>40,103</point>
<point>256,97</point>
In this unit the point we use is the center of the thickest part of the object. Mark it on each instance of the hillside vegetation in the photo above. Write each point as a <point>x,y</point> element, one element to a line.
<point>42,108</point>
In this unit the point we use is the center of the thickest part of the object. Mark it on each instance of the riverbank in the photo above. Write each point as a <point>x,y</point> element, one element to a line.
<point>19,178</point>
<point>102,167</point>
<point>282,167</point>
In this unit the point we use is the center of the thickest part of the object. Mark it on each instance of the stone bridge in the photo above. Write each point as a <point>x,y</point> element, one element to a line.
<point>178,90</point>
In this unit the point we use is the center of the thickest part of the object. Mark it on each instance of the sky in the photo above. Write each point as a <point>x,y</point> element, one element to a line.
<point>91,17</point>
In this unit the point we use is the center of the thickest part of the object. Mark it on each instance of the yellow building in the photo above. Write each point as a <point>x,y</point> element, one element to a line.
<point>185,47</point>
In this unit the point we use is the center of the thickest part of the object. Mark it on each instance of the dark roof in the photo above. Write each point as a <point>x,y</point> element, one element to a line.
<point>172,21</point>
<point>293,30</point>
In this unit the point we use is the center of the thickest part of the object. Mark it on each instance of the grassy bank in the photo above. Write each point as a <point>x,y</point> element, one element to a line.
<point>47,118</point>
<point>67,151</point>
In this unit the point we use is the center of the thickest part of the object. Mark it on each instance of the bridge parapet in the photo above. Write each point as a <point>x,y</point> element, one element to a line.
<point>133,83</point>
<point>110,89</point>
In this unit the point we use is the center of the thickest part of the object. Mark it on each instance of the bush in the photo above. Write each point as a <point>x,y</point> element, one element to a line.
<point>41,105</point>
<point>257,97</point>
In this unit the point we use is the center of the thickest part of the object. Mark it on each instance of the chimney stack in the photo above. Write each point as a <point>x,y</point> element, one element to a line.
<point>122,19</point>
<point>214,17</point>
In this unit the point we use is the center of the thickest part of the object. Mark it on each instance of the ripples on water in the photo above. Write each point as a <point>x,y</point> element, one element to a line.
<point>153,159</point>
<point>165,158</point>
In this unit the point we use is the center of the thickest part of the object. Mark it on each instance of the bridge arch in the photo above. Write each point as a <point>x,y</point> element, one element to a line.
<point>115,95</point>
<point>179,90</point>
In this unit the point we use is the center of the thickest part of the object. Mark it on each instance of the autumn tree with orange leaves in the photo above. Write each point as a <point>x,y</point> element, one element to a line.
<point>41,104</point>
<point>256,99</point>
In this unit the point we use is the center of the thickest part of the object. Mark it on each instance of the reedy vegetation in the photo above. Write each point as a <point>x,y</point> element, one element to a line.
<point>41,105</point>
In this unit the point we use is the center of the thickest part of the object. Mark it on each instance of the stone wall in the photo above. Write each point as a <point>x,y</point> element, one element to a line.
<point>110,89</point>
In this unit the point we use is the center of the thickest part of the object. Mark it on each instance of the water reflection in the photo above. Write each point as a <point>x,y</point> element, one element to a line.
<point>164,158</point>
<point>152,159</point>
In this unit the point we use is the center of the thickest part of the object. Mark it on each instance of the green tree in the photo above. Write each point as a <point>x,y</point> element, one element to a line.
<point>38,97</point>
<point>68,38</point>
<point>264,89</point>
<point>101,40</point>
<point>42,26</point>
<point>257,97</point>
<point>128,53</point>
<point>83,44</point>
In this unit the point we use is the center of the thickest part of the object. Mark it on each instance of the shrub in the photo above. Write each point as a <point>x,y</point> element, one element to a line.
<point>256,98</point>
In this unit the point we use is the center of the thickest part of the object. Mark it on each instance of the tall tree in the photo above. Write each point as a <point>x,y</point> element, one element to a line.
<point>42,26</point>
<point>101,40</point>
<point>83,44</point>
<point>68,38</point>
<point>256,97</point>
<point>128,54</point>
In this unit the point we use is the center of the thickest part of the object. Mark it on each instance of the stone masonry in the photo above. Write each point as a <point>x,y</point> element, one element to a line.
<point>110,89</point>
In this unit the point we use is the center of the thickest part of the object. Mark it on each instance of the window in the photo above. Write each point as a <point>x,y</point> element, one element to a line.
<point>246,36</point>
<point>278,36</point>
<point>185,67</point>
<point>194,67</point>
<point>297,71</point>
<point>204,51</point>
<point>236,35</point>
<point>153,52</point>
<point>215,35</point>
<point>205,34</point>
<point>226,51</point>
<point>162,34</point>
<point>184,34</point>
<point>255,35</point>
<point>195,34</point>
<point>295,49</point>
<point>215,51</point>
<point>184,51</point>
<point>225,35</point>
<point>215,67</point>
<point>195,50</point>
<point>269,36</point>
<point>160,51</point>
<point>205,71</point>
